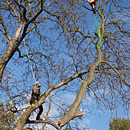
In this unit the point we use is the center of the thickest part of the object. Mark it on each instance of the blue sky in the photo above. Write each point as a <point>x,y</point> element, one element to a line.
<point>94,118</point>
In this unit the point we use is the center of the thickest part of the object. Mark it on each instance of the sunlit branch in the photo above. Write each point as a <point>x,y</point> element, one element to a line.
<point>105,6</point>
<point>5,28</point>
<point>116,73</point>
<point>74,107</point>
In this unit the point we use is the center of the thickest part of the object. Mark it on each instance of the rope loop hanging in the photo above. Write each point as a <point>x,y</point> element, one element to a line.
<point>29,60</point>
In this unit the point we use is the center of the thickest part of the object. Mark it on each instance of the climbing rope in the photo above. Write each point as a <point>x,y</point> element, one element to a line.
<point>29,60</point>
<point>98,30</point>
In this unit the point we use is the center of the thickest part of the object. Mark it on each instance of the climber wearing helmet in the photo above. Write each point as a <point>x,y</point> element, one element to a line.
<point>93,3</point>
<point>36,97</point>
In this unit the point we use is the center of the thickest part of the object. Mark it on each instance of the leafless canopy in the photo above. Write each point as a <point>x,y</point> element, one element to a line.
<point>63,44</point>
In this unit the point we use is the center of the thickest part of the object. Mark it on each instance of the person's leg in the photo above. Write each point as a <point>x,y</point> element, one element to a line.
<point>39,113</point>
<point>32,100</point>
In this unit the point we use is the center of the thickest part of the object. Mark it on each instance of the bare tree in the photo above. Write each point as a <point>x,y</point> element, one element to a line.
<point>66,55</point>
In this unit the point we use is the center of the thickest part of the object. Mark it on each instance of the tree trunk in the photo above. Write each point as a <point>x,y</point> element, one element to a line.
<point>10,50</point>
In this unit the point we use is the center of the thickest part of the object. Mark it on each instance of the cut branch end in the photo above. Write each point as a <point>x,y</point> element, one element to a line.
<point>63,121</point>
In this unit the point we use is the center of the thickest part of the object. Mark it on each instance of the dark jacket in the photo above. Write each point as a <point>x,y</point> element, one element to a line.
<point>35,94</point>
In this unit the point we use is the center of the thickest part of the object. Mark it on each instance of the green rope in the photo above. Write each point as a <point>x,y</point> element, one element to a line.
<point>98,30</point>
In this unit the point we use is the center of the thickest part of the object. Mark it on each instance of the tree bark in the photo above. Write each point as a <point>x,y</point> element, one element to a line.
<point>10,50</point>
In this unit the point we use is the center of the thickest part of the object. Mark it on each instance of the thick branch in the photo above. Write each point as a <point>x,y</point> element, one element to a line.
<point>9,51</point>
<point>37,14</point>
<point>66,119</point>
<point>24,9</point>
<point>5,28</point>
<point>73,110</point>
<point>69,79</point>
<point>25,31</point>
<point>103,20</point>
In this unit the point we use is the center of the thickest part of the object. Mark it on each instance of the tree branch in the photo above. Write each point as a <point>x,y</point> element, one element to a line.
<point>69,79</point>
<point>14,11</point>
<point>24,9</point>
<point>117,73</point>
<point>37,14</point>
<point>5,28</point>
<point>72,113</point>
<point>42,121</point>
<point>86,36</point>
<point>105,6</point>
<point>15,41</point>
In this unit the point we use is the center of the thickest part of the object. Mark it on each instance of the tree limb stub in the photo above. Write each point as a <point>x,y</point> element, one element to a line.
<point>72,113</point>
<point>77,114</point>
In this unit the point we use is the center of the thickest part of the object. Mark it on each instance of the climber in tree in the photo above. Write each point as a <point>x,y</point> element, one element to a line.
<point>36,97</point>
<point>93,3</point>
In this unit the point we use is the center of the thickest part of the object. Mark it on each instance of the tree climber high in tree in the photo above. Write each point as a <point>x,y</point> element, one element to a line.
<point>93,3</point>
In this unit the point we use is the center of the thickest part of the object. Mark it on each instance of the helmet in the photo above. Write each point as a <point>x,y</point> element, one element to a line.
<point>38,83</point>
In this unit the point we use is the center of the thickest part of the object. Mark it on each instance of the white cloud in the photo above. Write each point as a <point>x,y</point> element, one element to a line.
<point>69,98</point>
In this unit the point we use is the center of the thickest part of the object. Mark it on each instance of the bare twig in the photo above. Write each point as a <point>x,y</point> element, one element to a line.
<point>117,73</point>
<point>72,113</point>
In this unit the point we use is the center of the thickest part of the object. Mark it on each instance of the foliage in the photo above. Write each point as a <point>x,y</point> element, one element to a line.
<point>7,117</point>
<point>119,124</point>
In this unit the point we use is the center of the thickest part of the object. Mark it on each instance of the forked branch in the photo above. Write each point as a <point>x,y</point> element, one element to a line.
<point>72,113</point>
<point>126,83</point>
